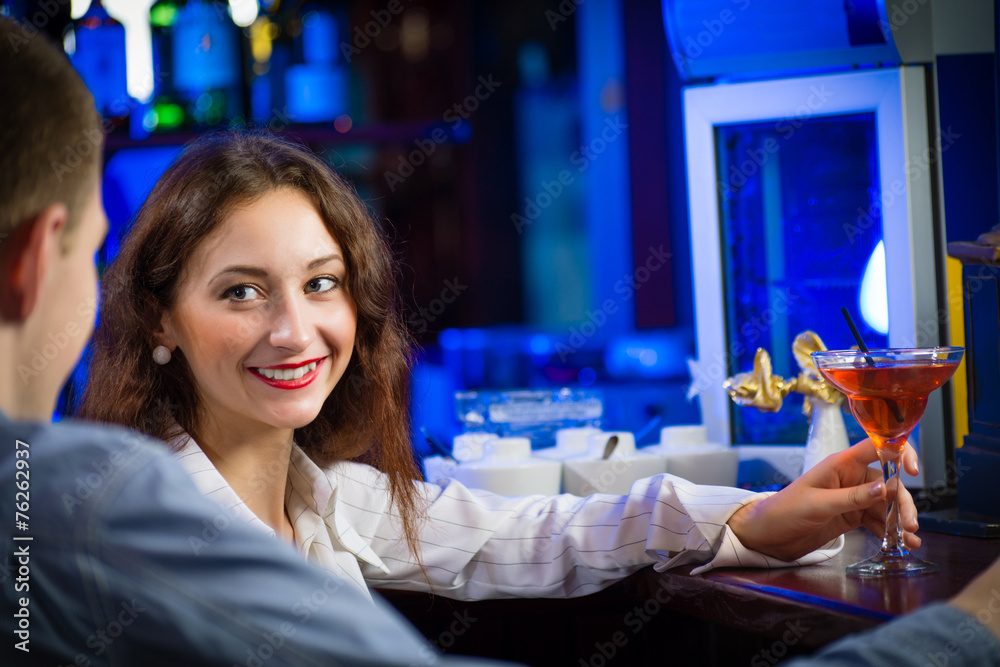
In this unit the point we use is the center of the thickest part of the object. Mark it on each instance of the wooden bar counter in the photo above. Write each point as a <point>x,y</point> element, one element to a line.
<point>724,617</point>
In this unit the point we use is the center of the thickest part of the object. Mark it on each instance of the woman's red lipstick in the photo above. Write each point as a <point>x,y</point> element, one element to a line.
<point>290,384</point>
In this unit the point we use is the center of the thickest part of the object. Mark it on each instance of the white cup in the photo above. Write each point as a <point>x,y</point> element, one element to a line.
<point>508,468</point>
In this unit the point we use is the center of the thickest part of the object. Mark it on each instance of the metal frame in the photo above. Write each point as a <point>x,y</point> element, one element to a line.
<point>898,98</point>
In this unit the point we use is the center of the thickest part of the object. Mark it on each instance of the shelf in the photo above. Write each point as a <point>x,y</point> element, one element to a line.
<point>379,134</point>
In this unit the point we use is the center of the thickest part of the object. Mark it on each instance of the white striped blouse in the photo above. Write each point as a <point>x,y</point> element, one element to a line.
<point>476,545</point>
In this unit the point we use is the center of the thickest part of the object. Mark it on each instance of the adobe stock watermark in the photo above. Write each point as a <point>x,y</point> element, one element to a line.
<point>694,46</point>
<point>270,643</point>
<point>372,29</point>
<point>459,625</point>
<point>102,639</point>
<point>899,14</point>
<point>93,140</point>
<point>425,316</point>
<point>424,148</point>
<point>941,488</point>
<point>928,329</point>
<point>88,481</point>
<point>31,25</point>
<point>57,341</point>
<point>265,477</point>
<point>627,286</point>
<point>635,620</point>
<point>603,481</point>
<point>581,158</point>
<point>793,634</point>
<point>897,189</point>
<point>211,530</point>
<point>307,605</point>
<point>562,13</point>
<point>278,121</point>
<point>786,127</point>
<point>713,371</point>
<point>966,631</point>
<point>92,478</point>
<point>358,378</point>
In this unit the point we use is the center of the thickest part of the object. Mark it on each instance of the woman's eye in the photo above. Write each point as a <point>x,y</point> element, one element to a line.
<point>242,293</point>
<point>324,284</point>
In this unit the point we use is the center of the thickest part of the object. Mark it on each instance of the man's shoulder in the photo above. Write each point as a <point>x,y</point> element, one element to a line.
<point>73,466</point>
<point>72,440</point>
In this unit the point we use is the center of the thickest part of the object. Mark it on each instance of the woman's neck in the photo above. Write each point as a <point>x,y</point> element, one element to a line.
<point>255,463</point>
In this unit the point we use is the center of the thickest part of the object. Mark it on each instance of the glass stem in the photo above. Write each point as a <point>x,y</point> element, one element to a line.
<point>892,543</point>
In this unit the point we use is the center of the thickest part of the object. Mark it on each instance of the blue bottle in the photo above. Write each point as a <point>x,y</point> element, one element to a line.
<point>100,60</point>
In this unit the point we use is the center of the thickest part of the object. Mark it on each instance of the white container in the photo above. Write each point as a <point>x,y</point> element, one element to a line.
<point>438,469</point>
<point>689,455</point>
<point>508,468</point>
<point>590,473</point>
<point>827,431</point>
<point>469,446</point>
<point>570,442</point>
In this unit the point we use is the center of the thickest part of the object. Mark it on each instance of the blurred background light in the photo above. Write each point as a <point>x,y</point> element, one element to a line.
<point>874,295</point>
<point>78,8</point>
<point>243,12</point>
<point>134,15</point>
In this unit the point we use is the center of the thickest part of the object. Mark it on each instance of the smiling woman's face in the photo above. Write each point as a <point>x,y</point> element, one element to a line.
<point>263,316</point>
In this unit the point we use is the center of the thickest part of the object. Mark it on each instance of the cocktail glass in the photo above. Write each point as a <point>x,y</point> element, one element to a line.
<point>887,390</point>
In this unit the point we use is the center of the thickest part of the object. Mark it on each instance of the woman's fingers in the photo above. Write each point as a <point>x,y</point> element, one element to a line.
<point>910,460</point>
<point>874,521</point>
<point>907,510</point>
<point>874,524</point>
<point>834,502</point>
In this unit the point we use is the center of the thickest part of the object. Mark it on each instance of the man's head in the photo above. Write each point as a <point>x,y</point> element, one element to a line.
<point>51,219</point>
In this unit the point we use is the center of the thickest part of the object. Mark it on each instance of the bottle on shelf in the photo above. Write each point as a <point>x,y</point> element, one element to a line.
<point>207,72</point>
<point>167,113</point>
<point>99,57</point>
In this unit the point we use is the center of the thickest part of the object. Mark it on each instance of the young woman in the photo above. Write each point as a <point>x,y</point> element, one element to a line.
<point>251,321</point>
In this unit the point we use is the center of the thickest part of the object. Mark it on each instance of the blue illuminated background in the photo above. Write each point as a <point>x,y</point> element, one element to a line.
<point>534,313</point>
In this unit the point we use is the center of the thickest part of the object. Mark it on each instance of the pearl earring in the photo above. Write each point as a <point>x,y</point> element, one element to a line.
<point>161,355</point>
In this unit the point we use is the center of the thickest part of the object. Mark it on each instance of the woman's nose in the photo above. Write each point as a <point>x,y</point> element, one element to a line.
<point>291,328</point>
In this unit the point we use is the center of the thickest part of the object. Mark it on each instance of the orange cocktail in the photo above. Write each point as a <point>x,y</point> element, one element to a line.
<point>887,390</point>
<point>888,400</point>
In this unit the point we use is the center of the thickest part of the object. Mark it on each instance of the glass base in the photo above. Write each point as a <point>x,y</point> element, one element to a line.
<point>892,565</point>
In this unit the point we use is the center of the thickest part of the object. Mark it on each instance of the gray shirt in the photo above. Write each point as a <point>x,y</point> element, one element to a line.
<point>112,557</point>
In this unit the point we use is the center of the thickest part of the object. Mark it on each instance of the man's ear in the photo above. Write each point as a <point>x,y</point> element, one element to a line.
<point>24,260</point>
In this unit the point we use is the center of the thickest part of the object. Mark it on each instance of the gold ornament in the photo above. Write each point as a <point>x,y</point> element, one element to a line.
<point>765,391</point>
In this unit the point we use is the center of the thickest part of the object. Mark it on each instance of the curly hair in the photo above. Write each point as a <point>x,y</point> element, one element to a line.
<point>365,417</point>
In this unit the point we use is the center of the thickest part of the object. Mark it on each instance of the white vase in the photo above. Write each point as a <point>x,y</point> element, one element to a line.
<point>827,432</point>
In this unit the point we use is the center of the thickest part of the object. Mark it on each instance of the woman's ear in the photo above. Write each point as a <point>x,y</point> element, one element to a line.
<point>165,334</point>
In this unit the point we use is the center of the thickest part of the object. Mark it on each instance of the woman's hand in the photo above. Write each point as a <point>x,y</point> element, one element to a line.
<point>838,495</point>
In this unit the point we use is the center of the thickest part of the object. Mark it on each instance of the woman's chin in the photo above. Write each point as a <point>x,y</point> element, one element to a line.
<point>293,420</point>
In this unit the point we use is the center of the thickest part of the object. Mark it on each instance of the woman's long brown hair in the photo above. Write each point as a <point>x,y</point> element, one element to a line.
<point>365,417</point>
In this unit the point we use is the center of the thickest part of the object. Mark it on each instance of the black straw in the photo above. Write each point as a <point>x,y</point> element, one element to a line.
<point>871,362</point>
<point>857,334</point>
<point>436,445</point>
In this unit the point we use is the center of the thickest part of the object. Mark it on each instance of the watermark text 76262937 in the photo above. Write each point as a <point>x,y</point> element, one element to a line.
<point>22,552</point>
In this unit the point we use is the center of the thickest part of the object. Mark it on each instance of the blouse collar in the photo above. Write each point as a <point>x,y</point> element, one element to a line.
<point>311,500</point>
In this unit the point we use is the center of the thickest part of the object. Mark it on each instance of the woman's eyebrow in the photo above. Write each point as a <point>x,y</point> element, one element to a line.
<point>245,270</point>
<point>258,272</point>
<point>320,261</point>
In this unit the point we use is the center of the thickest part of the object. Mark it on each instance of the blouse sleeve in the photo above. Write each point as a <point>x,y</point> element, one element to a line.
<point>477,545</point>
